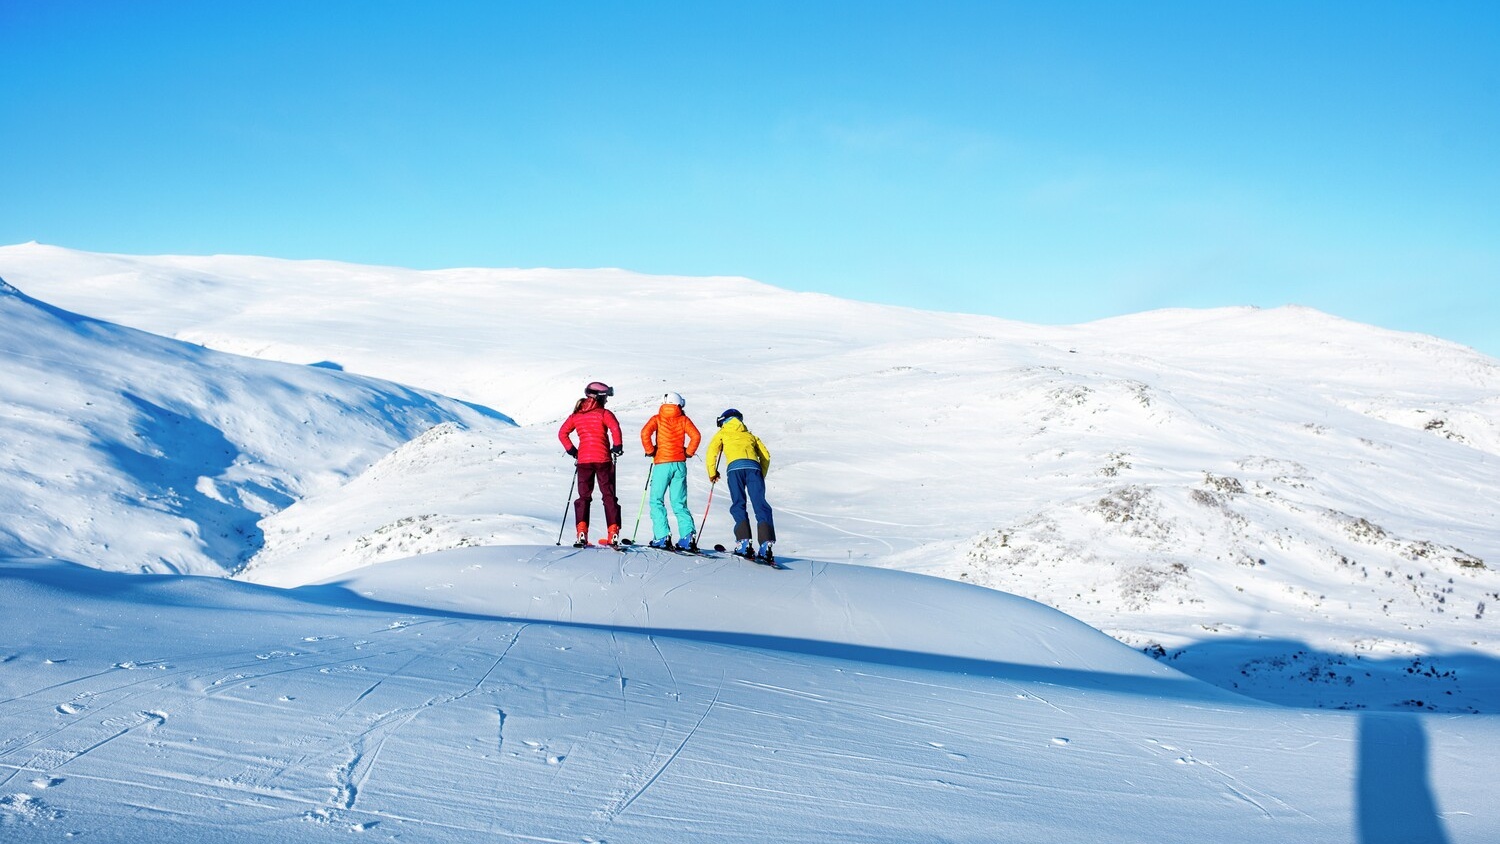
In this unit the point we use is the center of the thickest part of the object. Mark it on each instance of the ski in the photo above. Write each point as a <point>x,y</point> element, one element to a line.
<point>769,560</point>
<point>674,549</point>
<point>601,543</point>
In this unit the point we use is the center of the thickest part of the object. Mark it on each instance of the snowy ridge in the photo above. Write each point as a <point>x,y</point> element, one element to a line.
<point>825,608</point>
<point>133,452</point>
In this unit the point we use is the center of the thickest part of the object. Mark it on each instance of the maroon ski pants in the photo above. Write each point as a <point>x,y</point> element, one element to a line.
<point>604,474</point>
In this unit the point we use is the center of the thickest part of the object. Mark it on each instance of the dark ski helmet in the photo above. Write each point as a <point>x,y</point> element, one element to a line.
<point>595,389</point>
<point>731,413</point>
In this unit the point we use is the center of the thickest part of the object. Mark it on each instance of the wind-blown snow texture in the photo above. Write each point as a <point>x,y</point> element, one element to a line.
<point>1279,502</point>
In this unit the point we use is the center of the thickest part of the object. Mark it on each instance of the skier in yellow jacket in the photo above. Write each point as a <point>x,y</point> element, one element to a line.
<point>747,461</point>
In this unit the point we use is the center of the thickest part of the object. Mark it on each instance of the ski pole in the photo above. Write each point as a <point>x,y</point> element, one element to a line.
<point>571,486</point>
<point>637,528</point>
<point>703,522</point>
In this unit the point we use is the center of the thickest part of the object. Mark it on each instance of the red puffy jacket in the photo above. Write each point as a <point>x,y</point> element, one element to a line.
<point>597,428</point>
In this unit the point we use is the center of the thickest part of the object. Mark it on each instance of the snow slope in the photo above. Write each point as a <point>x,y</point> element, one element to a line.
<point>134,452</point>
<point>1266,493</point>
<point>548,694</point>
<point>1278,501</point>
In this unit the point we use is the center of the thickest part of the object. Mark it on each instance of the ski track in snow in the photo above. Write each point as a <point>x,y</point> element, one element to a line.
<point>889,547</point>
<point>91,728</point>
<point>677,751</point>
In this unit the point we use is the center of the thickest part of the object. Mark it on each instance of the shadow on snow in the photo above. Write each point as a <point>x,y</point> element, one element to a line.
<point>1289,673</point>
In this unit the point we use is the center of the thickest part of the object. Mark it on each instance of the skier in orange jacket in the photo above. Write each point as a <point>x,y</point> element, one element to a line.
<point>671,438</point>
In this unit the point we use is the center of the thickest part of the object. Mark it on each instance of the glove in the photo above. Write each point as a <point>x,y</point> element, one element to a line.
<point>572,452</point>
<point>713,479</point>
<point>617,450</point>
<point>651,453</point>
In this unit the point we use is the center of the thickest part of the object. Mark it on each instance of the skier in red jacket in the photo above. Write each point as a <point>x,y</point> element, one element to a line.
<point>599,442</point>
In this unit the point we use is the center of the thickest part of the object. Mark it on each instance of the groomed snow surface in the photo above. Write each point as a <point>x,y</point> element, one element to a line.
<point>280,599</point>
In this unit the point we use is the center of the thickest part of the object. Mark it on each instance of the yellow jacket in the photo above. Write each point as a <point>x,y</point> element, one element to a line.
<point>736,442</point>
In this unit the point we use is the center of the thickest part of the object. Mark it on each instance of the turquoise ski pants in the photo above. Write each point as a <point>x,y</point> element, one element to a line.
<point>670,479</point>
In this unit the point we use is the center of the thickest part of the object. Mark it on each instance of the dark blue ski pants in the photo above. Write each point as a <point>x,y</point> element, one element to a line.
<point>749,483</point>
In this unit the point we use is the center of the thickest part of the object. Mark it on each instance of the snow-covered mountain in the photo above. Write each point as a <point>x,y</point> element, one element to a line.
<point>133,452</point>
<point>1253,495</point>
<point>1279,502</point>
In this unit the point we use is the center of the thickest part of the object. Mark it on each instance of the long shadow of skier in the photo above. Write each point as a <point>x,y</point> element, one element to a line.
<point>1393,795</point>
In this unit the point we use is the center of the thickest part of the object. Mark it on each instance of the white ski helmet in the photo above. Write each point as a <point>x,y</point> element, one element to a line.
<point>673,398</point>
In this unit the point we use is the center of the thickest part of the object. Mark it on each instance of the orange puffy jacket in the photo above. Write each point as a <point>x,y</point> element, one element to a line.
<point>665,432</point>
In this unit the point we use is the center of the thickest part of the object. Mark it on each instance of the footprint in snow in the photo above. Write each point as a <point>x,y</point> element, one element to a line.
<point>342,669</point>
<point>69,708</point>
<point>46,782</point>
<point>540,748</point>
<point>24,807</point>
<point>1060,741</point>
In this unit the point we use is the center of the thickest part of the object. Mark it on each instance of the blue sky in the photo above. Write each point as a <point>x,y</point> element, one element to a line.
<point>1049,162</point>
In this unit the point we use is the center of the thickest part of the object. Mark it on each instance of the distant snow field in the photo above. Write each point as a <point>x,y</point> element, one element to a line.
<point>1275,514</point>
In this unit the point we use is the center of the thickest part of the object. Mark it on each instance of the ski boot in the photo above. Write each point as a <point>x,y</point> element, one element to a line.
<point>664,543</point>
<point>745,549</point>
<point>765,555</point>
<point>688,543</point>
<point>583,535</point>
<point>612,537</point>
